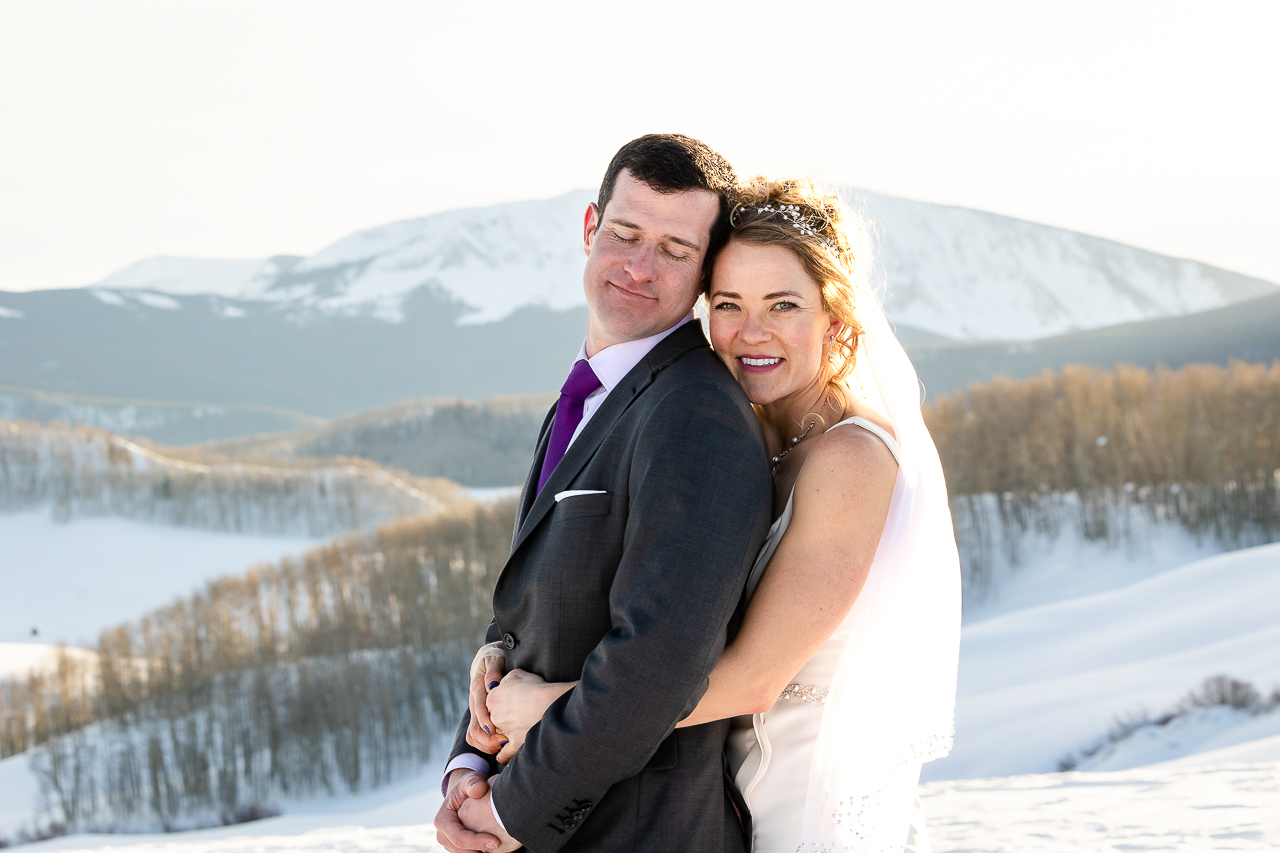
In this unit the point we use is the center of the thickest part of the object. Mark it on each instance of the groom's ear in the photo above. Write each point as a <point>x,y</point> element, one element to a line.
<point>589,226</point>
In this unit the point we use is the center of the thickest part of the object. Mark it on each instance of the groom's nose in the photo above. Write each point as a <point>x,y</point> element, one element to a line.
<point>642,265</point>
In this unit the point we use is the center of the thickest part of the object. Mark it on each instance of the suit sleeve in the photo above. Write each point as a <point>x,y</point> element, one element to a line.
<point>699,504</point>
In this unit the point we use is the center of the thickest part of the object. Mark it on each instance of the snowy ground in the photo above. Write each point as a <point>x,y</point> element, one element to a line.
<point>1045,671</point>
<point>1056,568</point>
<point>18,659</point>
<point>71,580</point>
<point>1188,805</point>
<point>1167,807</point>
<point>1040,682</point>
<point>492,494</point>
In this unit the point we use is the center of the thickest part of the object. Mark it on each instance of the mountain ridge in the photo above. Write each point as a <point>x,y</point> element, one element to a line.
<point>965,274</point>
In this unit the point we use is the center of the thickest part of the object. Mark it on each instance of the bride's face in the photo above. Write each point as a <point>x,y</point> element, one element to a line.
<point>767,322</point>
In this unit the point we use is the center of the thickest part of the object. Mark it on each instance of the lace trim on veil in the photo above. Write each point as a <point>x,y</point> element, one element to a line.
<point>858,815</point>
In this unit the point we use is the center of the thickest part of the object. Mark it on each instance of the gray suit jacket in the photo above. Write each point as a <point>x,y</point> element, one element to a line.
<point>633,593</point>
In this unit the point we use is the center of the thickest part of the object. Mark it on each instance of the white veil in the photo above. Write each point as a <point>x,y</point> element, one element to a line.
<point>892,700</point>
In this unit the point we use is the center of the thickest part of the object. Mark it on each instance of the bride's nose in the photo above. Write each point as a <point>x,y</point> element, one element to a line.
<point>754,329</point>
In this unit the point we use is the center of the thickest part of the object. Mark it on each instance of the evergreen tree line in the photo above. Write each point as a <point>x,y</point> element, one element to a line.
<point>335,671</point>
<point>82,471</point>
<point>1110,452</point>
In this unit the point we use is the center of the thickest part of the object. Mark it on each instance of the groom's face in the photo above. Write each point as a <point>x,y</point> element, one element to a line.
<point>644,260</point>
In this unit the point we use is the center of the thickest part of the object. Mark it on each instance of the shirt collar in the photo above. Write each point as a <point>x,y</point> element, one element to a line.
<point>611,364</point>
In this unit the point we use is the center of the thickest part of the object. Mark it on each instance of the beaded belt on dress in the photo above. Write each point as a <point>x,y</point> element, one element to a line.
<point>805,693</point>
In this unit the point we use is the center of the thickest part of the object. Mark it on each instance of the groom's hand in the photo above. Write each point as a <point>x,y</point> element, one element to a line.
<point>465,786</point>
<point>478,814</point>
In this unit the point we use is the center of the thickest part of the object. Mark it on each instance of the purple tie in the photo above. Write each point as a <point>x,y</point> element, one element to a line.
<point>581,382</point>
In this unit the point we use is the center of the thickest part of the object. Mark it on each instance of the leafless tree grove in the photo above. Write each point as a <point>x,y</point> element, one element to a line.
<point>339,670</point>
<point>334,672</point>
<point>1198,446</point>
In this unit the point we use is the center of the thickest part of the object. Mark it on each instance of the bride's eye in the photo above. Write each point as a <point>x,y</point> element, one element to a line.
<point>724,306</point>
<point>785,306</point>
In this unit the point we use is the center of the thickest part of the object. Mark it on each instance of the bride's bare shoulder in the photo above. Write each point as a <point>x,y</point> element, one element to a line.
<point>850,448</point>
<point>857,408</point>
<point>848,460</point>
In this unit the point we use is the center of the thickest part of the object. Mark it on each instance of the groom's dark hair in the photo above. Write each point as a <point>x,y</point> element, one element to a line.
<point>673,163</point>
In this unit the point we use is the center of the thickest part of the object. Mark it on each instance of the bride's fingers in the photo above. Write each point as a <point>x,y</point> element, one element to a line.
<point>481,684</point>
<point>510,749</point>
<point>484,742</point>
<point>493,669</point>
<point>481,733</point>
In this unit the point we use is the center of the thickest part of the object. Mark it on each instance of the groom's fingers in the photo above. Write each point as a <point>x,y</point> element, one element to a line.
<point>452,834</point>
<point>455,837</point>
<point>475,786</point>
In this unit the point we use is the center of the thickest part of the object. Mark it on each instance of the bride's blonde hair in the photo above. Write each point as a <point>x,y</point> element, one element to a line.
<point>832,244</point>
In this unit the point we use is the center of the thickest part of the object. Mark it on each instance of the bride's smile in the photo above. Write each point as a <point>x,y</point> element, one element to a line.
<point>768,325</point>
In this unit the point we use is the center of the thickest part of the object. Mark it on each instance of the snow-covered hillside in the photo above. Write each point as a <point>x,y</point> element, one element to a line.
<point>1036,682</point>
<point>71,580</point>
<point>86,472</point>
<point>959,273</point>
<point>19,659</point>
<point>1045,681</point>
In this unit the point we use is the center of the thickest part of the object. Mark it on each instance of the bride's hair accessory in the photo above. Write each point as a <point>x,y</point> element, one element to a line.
<point>806,222</point>
<point>831,241</point>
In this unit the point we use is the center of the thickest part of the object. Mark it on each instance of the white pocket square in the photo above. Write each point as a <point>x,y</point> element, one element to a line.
<point>573,493</point>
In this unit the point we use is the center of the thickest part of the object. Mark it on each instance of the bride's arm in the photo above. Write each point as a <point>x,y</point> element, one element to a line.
<point>841,503</point>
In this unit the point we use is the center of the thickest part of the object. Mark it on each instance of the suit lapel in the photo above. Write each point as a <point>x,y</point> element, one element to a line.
<point>626,392</point>
<point>531,479</point>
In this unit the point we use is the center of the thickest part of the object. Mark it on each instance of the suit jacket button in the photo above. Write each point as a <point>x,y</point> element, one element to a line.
<point>509,641</point>
<point>570,823</point>
<point>579,814</point>
<point>585,807</point>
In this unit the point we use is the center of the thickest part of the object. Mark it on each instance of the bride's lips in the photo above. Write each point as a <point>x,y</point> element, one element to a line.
<point>759,363</point>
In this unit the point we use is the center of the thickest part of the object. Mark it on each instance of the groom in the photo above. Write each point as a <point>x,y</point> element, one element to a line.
<point>639,521</point>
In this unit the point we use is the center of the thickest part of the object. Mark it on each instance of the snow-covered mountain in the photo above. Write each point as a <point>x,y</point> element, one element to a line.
<point>487,301</point>
<point>963,274</point>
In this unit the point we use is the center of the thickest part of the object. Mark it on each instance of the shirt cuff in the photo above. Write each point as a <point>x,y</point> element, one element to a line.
<point>493,807</point>
<point>467,760</point>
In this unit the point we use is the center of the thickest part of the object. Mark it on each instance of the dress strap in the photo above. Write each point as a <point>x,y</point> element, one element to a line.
<point>880,431</point>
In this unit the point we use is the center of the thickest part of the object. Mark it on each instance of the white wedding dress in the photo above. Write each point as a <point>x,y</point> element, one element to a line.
<point>771,754</point>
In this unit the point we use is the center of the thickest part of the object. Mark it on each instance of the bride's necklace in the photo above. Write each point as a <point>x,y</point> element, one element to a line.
<point>786,448</point>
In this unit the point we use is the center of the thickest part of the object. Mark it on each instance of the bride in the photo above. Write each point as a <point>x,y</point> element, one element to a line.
<point>841,680</point>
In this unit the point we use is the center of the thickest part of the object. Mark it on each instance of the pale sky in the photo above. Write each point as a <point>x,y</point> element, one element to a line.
<point>246,129</point>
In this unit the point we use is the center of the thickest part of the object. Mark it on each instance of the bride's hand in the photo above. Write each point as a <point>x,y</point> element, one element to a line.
<point>518,703</point>
<point>486,669</point>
